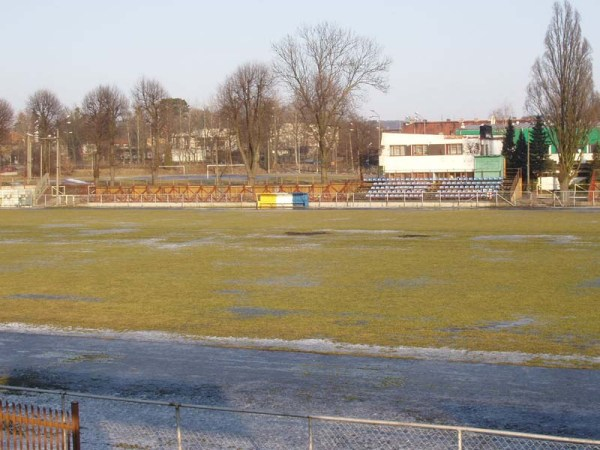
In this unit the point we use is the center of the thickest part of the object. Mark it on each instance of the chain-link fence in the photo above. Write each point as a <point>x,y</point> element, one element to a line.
<point>120,423</point>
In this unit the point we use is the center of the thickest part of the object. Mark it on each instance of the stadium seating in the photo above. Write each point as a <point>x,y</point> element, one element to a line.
<point>461,188</point>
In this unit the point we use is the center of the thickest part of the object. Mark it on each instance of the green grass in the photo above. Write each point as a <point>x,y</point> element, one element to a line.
<point>476,279</point>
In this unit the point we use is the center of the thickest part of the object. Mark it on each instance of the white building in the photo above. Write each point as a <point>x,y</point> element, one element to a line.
<point>440,156</point>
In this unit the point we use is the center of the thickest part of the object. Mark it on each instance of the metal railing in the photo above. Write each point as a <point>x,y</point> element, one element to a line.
<point>568,199</point>
<point>116,422</point>
<point>28,427</point>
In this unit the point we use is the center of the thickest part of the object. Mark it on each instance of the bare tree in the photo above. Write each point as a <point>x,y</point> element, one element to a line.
<point>502,113</point>
<point>148,96</point>
<point>74,137</point>
<point>173,111</point>
<point>246,100</point>
<point>103,108</point>
<point>46,111</point>
<point>357,138</point>
<point>561,89</point>
<point>6,119</point>
<point>326,68</point>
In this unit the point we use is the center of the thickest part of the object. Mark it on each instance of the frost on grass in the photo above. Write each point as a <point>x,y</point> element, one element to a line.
<point>103,231</point>
<point>15,241</point>
<point>164,244</point>
<point>524,321</point>
<point>495,326</point>
<point>61,225</point>
<point>407,283</point>
<point>553,239</point>
<point>72,298</point>
<point>251,312</point>
<point>239,292</point>
<point>591,283</point>
<point>296,281</point>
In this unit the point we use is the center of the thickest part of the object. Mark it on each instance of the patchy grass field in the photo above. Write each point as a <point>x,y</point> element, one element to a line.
<point>475,279</point>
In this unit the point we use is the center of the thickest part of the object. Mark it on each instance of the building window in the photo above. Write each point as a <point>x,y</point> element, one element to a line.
<point>455,149</point>
<point>398,150</point>
<point>419,150</point>
<point>436,149</point>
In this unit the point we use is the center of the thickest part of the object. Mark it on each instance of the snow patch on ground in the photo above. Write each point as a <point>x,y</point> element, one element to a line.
<point>311,346</point>
<point>591,283</point>
<point>555,239</point>
<point>31,296</point>
<point>104,231</point>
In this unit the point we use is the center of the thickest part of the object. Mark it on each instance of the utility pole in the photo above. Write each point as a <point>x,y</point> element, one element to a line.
<point>350,145</point>
<point>269,151</point>
<point>57,160</point>
<point>137,124</point>
<point>527,161</point>
<point>296,135</point>
<point>41,159</point>
<point>28,158</point>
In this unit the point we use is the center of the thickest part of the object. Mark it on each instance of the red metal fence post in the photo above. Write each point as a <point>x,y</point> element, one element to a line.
<point>75,425</point>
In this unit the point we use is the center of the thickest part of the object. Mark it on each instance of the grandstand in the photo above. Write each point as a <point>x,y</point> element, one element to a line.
<point>435,188</point>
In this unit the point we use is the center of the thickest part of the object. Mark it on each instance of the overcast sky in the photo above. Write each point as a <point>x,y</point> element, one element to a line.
<point>451,59</point>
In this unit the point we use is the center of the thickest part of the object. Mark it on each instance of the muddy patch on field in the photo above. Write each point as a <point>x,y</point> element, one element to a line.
<point>367,231</point>
<point>32,378</point>
<point>71,298</point>
<point>413,236</point>
<point>305,233</point>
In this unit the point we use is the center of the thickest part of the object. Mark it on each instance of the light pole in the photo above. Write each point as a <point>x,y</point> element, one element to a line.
<point>379,133</point>
<point>296,141</point>
<point>41,158</point>
<point>68,121</point>
<point>28,158</point>
<point>351,151</point>
<point>269,151</point>
<point>528,160</point>
<point>57,159</point>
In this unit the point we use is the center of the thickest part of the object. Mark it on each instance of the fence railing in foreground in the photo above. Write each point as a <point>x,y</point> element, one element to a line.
<point>34,427</point>
<point>116,422</point>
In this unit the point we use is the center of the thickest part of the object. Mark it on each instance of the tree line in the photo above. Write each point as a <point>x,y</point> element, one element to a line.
<point>321,71</point>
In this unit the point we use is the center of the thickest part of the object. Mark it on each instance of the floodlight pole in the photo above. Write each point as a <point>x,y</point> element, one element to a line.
<point>57,160</point>
<point>528,159</point>
<point>28,137</point>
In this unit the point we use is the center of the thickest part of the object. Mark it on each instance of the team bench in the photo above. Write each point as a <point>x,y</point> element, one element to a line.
<point>294,200</point>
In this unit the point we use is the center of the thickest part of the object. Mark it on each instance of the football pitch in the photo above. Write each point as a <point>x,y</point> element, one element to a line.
<point>480,280</point>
